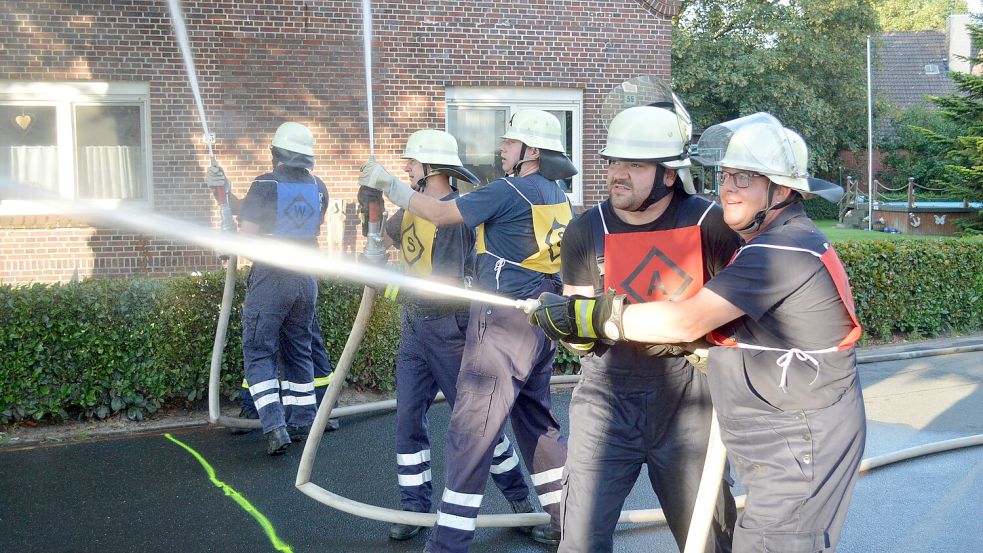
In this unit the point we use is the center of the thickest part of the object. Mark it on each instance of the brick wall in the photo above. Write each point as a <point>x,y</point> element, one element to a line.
<point>263,62</point>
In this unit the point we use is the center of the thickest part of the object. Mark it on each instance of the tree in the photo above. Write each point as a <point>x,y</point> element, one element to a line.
<point>804,61</point>
<point>917,15</point>
<point>909,153</point>
<point>963,176</point>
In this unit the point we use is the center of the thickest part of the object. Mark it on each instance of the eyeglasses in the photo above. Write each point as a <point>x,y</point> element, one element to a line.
<point>740,180</point>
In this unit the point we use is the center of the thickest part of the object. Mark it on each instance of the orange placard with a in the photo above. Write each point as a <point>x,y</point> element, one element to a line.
<point>654,266</point>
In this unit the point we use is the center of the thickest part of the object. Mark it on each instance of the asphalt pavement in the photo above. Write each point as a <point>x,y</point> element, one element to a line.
<point>202,489</point>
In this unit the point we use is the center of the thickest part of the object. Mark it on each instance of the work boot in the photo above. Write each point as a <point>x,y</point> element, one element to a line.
<point>277,441</point>
<point>248,412</point>
<point>402,532</point>
<point>522,506</point>
<point>544,533</point>
<point>298,433</point>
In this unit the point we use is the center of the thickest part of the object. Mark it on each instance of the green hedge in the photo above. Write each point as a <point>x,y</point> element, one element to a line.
<point>915,288</point>
<point>819,209</point>
<point>101,347</point>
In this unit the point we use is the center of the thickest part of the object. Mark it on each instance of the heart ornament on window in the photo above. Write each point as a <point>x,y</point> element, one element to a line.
<point>23,121</point>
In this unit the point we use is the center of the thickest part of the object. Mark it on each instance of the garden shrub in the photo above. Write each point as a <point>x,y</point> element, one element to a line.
<point>99,347</point>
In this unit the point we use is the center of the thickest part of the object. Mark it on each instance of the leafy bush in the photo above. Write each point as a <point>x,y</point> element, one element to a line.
<point>909,153</point>
<point>100,347</point>
<point>917,288</point>
<point>819,209</point>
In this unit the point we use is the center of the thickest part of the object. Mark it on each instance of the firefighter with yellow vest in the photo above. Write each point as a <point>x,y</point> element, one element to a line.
<point>507,364</point>
<point>433,330</point>
<point>783,372</point>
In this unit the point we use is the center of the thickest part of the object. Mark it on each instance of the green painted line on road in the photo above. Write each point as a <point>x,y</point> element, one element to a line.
<point>237,497</point>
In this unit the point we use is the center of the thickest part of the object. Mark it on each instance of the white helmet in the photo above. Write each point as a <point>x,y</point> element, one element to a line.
<point>432,146</point>
<point>294,137</point>
<point>537,129</point>
<point>760,143</point>
<point>646,133</point>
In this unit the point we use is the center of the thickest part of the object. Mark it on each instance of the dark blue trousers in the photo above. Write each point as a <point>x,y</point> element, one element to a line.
<point>429,360</point>
<point>505,372</point>
<point>322,369</point>
<point>277,317</point>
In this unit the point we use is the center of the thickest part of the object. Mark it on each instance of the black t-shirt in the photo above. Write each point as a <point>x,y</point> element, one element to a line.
<point>453,253</point>
<point>791,301</point>
<point>580,268</point>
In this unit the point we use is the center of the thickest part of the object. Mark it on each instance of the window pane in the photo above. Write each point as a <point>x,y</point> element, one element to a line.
<point>29,146</point>
<point>478,132</point>
<point>566,128</point>
<point>109,152</point>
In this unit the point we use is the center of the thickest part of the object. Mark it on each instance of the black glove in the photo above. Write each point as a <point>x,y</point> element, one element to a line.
<point>579,319</point>
<point>694,352</point>
<point>662,350</point>
<point>367,196</point>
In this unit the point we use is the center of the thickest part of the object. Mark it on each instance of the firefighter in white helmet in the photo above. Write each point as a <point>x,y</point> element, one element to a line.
<point>507,364</point>
<point>639,404</point>
<point>278,321</point>
<point>432,329</point>
<point>783,372</point>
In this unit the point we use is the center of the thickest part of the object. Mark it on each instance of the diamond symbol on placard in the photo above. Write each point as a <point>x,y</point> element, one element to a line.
<point>554,236</point>
<point>413,247</point>
<point>299,211</point>
<point>656,280</point>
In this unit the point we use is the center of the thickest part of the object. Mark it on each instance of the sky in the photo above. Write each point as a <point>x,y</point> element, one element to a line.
<point>975,6</point>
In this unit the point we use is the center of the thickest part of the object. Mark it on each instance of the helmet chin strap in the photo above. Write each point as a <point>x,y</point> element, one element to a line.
<point>659,189</point>
<point>522,159</point>
<point>421,185</point>
<point>759,217</point>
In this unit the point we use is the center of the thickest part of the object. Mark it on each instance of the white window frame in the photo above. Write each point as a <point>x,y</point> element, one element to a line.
<point>515,99</point>
<point>65,96</point>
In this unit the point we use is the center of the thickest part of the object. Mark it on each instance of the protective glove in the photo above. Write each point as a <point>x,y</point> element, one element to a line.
<point>375,176</point>
<point>216,178</point>
<point>662,350</point>
<point>694,352</point>
<point>579,319</point>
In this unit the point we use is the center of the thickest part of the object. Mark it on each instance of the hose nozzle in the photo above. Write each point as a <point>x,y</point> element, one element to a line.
<point>528,306</point>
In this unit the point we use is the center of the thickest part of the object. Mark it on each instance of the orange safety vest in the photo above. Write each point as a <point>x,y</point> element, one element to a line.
<point>835,268</point>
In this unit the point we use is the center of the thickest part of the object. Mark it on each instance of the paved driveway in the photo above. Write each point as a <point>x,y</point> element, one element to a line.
<point>153,492</point>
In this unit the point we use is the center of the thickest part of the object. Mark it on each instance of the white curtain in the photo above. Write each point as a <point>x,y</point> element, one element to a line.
<point>35,166</point>
<point>112,172</point>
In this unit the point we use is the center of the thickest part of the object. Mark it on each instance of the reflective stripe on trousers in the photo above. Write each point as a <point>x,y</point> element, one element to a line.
<point>429,359</point>
<point>505,372</point>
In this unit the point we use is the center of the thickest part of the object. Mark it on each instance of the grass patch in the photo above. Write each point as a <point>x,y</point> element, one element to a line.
<point>828,227</point>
